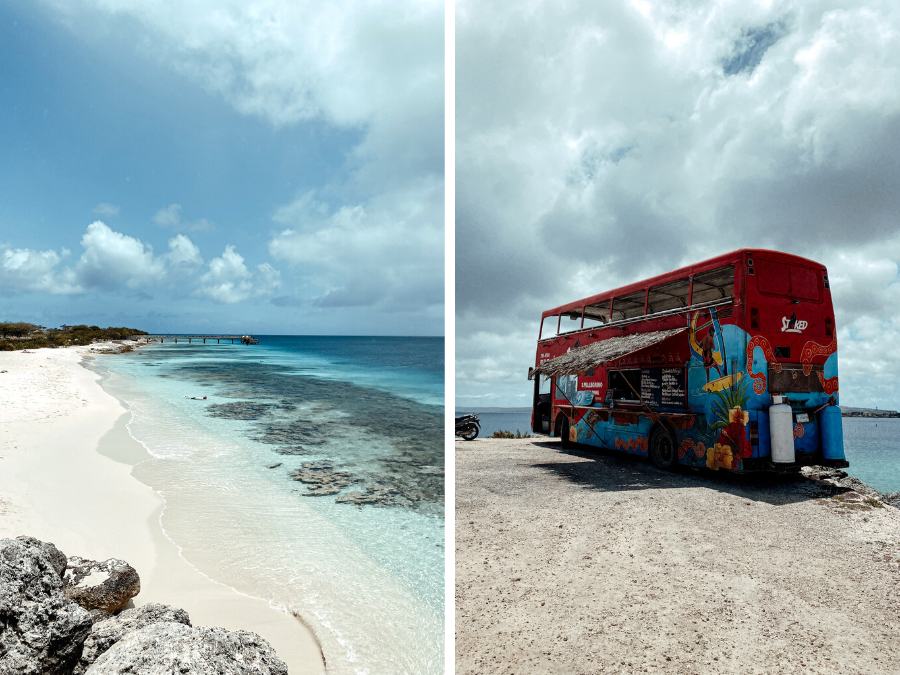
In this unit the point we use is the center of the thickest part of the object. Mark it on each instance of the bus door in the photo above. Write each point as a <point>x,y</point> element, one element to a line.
<point>541,405</point>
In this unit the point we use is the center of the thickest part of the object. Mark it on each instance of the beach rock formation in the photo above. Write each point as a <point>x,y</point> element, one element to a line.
<point>321,479</point>
<point>58,620</point>
<point>41,631</point>
<point>169,647</point>
<point>837,481</point>
<point>57,558</point>
<point>107,585</point>
<point>107,632</point>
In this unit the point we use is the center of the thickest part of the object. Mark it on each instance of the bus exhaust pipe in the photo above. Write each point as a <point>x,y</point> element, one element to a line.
<point>781,431</point>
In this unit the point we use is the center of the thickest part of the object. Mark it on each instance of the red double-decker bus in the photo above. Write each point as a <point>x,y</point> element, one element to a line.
<point>730,363</point>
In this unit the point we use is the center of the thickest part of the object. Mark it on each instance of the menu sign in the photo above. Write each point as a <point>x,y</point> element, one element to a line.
<point>663,387</point>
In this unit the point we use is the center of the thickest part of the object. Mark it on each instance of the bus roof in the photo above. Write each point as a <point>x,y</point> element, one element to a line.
<point>681,272</point>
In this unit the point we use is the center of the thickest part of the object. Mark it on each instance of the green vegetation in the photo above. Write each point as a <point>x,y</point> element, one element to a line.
<point>509,434</point>
<point>20,335</point>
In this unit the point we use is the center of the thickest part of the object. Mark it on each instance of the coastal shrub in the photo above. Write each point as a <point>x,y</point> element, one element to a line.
<point>17,336</point>
<point>509,434</point>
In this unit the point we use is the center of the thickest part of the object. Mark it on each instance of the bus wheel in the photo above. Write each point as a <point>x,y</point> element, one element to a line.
<point>564,432</point>
<point>663,452</point>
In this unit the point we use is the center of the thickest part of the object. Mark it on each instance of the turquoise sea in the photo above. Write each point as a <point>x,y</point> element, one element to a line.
<point>872,446</point>
<point>368,579</point>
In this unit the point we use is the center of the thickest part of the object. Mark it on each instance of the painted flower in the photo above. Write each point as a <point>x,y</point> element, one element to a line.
<point>719,456</point>
<point>738,416</point>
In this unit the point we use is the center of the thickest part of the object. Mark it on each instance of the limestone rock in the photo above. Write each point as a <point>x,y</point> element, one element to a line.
<point>107,632</point>
<point>107,585</point>
<point>57,557</point>
<point>41,632</point>
<point>165,648</point>
<point>321,479</point>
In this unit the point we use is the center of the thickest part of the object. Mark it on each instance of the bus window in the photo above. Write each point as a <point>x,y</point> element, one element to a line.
<point>628,306</point>
<point>713,285</point>
<point>668,296</point>
<point>596,315</point>
<point>804,283</point>
<point>792,281</point>
<point>569,320</point>
<point>624,383</point>
<point>549,327</point>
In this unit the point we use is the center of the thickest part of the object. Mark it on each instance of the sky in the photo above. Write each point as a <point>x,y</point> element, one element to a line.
<point>268,167</point>
<point>599,143</point>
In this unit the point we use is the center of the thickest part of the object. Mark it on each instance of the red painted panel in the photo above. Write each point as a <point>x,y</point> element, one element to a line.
<point>773,277</point>
<point>804,283</point>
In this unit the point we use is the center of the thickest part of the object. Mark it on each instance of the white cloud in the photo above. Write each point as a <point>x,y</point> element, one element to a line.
<point>104,209</point>
<point>386,254</point>
<point>110,261</point>
<point>228,280</point>
<point>23,270</point>
<point>170,216</point>
<point>610,141</point>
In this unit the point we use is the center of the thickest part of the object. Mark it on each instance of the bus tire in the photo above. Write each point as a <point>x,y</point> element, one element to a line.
<point>663,451</point>
<point>563,427</point>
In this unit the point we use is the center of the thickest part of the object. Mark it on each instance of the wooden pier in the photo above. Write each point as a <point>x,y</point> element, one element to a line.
<point>243,339</point>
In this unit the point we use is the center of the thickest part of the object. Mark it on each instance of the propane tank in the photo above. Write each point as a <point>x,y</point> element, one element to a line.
<point>781,431</point>
<point>831,426</point>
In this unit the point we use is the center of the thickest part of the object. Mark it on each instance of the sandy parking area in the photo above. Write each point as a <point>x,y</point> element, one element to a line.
<point>589,562</point>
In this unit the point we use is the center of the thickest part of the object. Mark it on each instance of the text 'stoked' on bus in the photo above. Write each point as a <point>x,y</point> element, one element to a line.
<point>727,364</point>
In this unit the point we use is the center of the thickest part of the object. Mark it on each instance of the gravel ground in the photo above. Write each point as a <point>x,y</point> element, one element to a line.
<point>583,561</point>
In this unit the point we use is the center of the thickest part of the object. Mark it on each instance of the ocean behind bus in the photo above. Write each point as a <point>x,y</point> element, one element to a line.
<point>368,580</point>
<point>872,446</point>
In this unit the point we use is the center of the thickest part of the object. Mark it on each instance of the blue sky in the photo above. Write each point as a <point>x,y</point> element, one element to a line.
<point>264,167</point>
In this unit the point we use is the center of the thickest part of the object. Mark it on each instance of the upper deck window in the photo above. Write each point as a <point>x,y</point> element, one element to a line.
<point>673,295</point>
<point>716,284</point>
<point>597,314</point>
<point>549,326</point>
<point>778,278</point>
<point>628,306</point>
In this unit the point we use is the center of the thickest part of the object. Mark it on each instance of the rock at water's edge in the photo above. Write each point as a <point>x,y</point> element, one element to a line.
<point>107,585</point>
<point>107,632</point>
<point>164,648</point>
<point>41,632</point>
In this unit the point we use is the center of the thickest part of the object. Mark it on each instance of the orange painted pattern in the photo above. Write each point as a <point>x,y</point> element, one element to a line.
<point>798,431</point>
<point>687,444</point>
<point>813,349</point>
<point>759,379</point>
<point>830,386</point>
<point>631,444</point>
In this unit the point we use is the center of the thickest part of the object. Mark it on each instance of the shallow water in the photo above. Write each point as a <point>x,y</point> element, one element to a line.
<point>365,412</point>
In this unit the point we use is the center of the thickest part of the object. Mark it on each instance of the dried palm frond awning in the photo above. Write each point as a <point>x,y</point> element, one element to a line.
<point>582,359</point>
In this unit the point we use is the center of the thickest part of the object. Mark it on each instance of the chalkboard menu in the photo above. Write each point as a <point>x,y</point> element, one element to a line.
<point>663,387</point>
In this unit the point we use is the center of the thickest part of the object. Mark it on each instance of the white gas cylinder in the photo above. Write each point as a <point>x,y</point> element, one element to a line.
<point>781,431</point>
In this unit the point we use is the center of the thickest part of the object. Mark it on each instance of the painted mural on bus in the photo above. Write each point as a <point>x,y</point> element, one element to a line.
<point>728,364</point>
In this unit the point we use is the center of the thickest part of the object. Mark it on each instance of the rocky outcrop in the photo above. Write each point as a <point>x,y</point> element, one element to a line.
<point>321,479</point>
<point>107,632</point>
<point>107,585</point>
<point>57,558</point>
<point>41,631</point>
<point>837,481</point>
<point>164,648</point>
<point>44,631</point>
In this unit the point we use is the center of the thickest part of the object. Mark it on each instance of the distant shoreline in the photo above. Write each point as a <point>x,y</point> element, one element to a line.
<point>489,409</point>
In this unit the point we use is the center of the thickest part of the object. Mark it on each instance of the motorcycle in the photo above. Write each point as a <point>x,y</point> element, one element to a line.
<point>467,427</point>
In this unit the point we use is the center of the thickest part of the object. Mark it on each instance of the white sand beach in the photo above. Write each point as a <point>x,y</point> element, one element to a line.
<point>65,476</point>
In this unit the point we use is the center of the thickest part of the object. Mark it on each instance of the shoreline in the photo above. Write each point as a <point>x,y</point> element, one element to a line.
<point>67,478</point>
